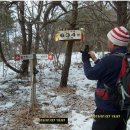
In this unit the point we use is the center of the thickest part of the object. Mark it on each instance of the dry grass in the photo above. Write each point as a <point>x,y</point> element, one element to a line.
<point>24,119</point>
<point>63,90</point>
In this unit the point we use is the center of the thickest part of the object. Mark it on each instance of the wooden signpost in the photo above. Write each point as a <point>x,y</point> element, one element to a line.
<point>33,62</point>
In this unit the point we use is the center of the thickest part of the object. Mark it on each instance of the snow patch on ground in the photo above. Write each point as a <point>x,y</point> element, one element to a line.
<point>7,105</point>
<point>17,93</point>
<point>58,101</point>
<point>79,122</point>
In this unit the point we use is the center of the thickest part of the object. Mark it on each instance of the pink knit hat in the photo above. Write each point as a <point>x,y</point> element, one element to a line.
<point>119,36</point>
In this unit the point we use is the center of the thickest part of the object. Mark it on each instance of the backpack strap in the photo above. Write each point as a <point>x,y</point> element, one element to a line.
<point>122,70</point>
<point>123,64</point>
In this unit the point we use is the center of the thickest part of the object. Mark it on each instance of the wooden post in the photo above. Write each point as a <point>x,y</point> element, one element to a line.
<point>33,63</point>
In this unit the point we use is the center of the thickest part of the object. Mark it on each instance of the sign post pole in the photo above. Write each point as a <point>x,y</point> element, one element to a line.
<point>33,63</point>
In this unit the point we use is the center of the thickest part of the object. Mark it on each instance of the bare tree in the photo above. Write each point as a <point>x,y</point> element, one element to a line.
<point>121,9</point>
<point>97,20</point>
<point>65,72</point>
<point>26,33</point>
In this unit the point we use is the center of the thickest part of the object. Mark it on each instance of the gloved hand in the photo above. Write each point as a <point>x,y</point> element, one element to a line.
<point>85,56</point>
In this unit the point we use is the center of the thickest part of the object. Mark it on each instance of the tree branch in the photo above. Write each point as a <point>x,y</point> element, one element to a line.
<point>63,8</point>
<point>52,5</point>
<point>113,6</point>
<point>40,7</point>
<point>7,64</point>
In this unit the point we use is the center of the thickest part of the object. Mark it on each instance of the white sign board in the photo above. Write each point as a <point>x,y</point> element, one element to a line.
<point>70,35</point>
<point>27,57</point>
<point>40,56</point>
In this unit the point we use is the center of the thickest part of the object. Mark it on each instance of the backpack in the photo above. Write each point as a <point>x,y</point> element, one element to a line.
<point>121,96</point>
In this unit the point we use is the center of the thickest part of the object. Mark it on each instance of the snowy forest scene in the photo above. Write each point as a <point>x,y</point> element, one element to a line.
<point>41,67</point>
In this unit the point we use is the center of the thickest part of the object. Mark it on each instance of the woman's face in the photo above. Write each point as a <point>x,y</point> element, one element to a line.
<point>110,45</point>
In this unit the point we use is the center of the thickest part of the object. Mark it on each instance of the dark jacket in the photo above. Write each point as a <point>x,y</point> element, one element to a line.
<point>106,71</point>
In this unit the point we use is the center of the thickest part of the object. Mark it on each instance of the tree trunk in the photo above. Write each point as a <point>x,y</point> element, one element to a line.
<point>29,43</point>
<point>24,66</point>
<point>26,45</point>
<point>37,39</point>
<point>46,40</point>
<point>65,72</point>
<point>37,26</point>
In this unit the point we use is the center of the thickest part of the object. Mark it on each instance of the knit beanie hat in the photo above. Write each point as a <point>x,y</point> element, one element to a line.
<point>119,36</point>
